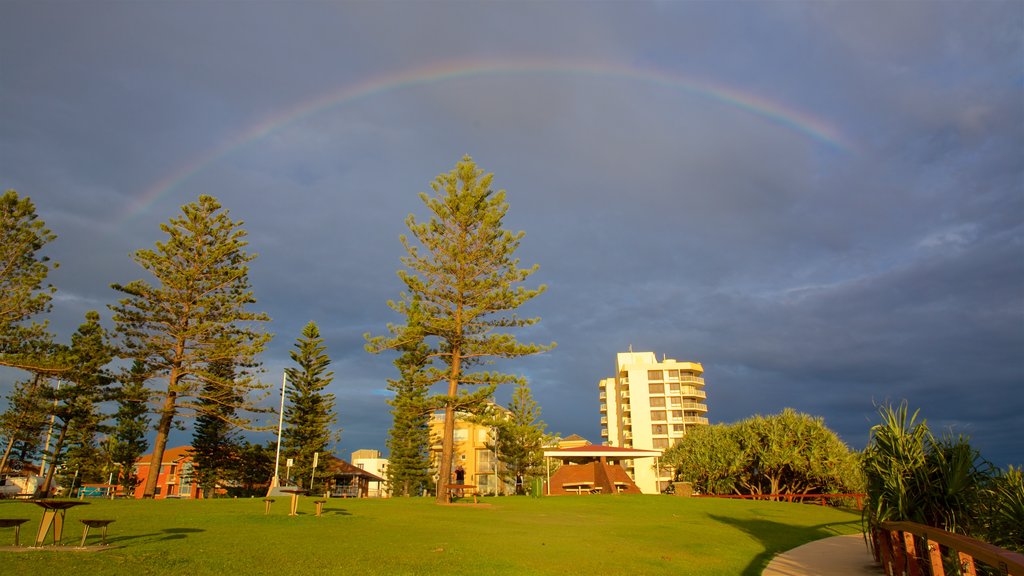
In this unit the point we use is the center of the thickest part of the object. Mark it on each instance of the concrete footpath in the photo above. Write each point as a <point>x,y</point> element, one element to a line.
<point>836,556</point>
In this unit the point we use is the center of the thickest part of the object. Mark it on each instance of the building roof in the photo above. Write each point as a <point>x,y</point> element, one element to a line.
<point>170,455</point>
<point>599,451</point>
<point>338,467</point>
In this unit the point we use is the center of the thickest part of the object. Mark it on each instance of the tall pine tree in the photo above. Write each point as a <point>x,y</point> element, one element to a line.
<point>23,272</point>
<point>408,472</point>
<point>309,413</point>
<point>214,438</point>
<point>195,315</point>
<point>128,440</point>
<point>462,285</point>
<point>520,437</point>
<point>85,384</point>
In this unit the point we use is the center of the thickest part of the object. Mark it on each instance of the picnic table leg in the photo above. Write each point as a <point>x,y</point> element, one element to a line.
<point>44,526</point>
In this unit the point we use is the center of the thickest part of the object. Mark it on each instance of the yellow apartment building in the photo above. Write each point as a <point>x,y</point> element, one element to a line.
<point>650,405</point>
<point>471,451</point>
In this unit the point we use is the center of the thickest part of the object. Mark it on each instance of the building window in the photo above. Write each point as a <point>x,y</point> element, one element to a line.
<point>679,427</point>
<point>673,374</point>
<point>658,415</point>
<point>660,443</point>
<point>659,429</point>
<point>673,387</point>
<point>677,413</point>
<point>656,388</point>
<point>658,402</point>
<point>460,435</point>
<point>675,401</point>
<point>654,375</point>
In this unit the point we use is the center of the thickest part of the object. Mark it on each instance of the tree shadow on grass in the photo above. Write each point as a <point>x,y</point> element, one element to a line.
<point>777,537</point>
<point>335,512</point>
<point>166,533</point>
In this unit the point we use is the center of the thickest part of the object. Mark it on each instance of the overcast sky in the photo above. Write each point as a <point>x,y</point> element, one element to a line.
<point>821,202</point>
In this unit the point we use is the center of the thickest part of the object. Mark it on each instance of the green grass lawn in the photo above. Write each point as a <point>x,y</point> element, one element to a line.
<point>519,536</point>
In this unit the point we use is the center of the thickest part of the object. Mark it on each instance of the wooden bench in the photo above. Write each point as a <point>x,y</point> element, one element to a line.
<point>13,523</point>
<point>102,524</point>
<point>319,507</point>
<point>266,505</point>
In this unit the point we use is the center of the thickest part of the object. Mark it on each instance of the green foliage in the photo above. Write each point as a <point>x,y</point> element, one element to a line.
<point>520,438</point>
<point>786,453</point>
<point>408,471</point>
<point>128,441</point>
<point>23,422</point>
<point>214,441</point>
<point>76,401</point>
<point>462,290</point>
<point>23,272</point>
<point>309,413</point>
<point>253,468</point>
<point>193,316</point>
<point>941,482</point>
<point>709,457</point>
<point>1003,514</point>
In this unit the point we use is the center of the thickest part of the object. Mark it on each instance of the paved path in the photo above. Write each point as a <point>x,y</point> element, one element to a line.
<point>836,556</point>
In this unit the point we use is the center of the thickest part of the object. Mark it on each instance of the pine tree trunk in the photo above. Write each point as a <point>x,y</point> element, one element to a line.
<point>162,431</point>
<point>7,451</point>
<point>448,440</point>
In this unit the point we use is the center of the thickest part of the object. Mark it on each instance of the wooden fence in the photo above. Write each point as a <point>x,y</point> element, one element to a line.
<point>909,549</point>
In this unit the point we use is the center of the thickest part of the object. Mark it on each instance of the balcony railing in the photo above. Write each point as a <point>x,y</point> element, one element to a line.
<point>692,391</point>
<point>602,395</point>
<point>695,406</point>
<point>604,419</point>
<point>688,420</point>
<point>604,432</point>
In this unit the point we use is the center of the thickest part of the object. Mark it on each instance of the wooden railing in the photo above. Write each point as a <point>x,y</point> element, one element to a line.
<point>909,549</point>
<point>821,498</point>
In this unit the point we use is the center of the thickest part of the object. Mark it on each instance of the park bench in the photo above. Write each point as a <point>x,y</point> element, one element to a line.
<point>13,523</point>
<point>319,506</point>
<point>102,524</point>
<point>266,505</point>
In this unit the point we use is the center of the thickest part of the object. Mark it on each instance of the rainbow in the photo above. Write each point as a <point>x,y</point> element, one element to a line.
<point>801,122</point>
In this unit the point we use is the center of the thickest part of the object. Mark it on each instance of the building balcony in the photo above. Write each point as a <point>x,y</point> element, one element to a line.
<point>604,419</point>
<point>627,421</point>
<point>602,395</point>
<point>604,432</point>
<point>692,392</point>
<point>625,408</point>
<point>695,406</point>
<point>604,408</point>
<point>690,378</point>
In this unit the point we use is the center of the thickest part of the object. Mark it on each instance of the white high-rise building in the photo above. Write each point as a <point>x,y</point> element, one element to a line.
<point>650,405</point>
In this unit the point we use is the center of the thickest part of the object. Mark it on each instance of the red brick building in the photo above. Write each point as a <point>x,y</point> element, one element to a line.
<point>177,474</point>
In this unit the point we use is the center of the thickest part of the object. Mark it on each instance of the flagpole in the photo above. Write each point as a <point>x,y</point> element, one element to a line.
<point>280,426</point>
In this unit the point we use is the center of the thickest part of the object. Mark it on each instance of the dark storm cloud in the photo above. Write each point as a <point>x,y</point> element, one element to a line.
<point>826,277</point>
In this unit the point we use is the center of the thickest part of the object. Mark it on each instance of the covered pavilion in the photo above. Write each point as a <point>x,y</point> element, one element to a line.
<point>593,469</point>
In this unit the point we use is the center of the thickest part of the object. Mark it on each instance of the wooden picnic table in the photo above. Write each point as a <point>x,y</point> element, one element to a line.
<point>460,489</point>
<point>295,499</point>
<point>53,515</point>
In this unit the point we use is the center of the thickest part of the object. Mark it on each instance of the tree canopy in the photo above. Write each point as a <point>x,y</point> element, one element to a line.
<point>462,287</point>
<point>786,453</point>
<point>23,292</point>
<point>309,415</point>
<point>196,314</point>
